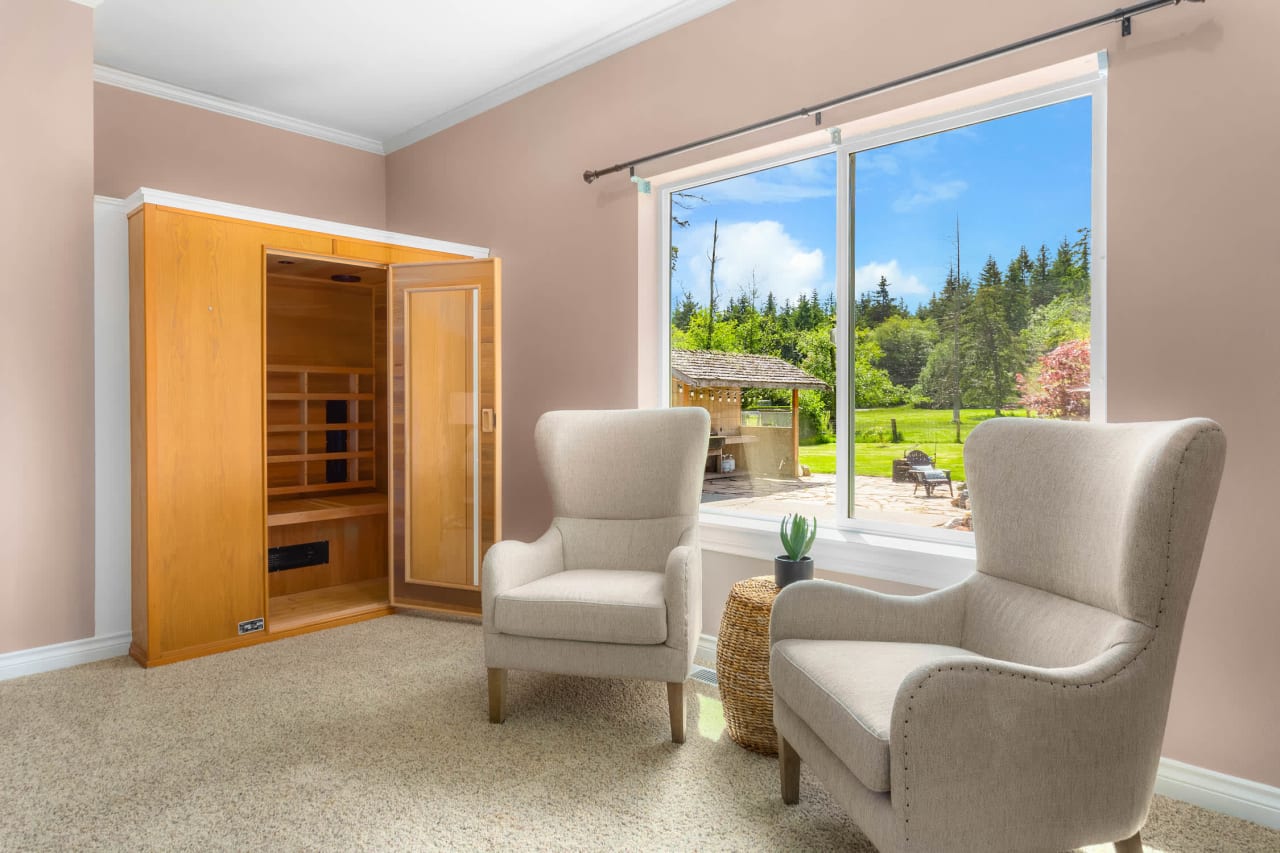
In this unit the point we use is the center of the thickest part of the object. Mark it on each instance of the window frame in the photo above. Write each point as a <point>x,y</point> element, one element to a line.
<point>885,550</point>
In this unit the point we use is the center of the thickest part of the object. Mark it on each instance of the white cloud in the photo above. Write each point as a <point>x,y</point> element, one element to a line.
<point>927,193</point>
<point>781,264</point>
<point>867,276</point>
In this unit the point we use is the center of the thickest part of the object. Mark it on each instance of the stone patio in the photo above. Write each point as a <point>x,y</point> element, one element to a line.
<point>875,498</point>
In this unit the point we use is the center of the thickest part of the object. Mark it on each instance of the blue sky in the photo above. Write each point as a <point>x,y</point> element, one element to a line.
<point>1022,179</point>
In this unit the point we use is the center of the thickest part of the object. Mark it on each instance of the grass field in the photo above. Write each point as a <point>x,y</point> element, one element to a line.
<point>929,430</point>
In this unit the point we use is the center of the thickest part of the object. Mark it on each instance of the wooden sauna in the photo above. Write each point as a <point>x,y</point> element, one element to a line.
<point>315,428</point>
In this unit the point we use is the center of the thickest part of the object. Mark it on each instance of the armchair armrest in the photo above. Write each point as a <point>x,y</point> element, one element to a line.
<point>683,593</point>
<point>825,610</point>
<point>984,751</point>
<point>510,563</point>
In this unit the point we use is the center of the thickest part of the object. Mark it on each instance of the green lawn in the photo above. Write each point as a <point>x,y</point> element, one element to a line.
<point>929,430</point>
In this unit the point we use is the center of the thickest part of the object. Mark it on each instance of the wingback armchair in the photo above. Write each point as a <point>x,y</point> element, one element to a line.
<point>1024,708</point>
<point>613,589</point>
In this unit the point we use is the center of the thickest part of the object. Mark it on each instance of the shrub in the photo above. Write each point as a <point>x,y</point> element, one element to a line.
<point>1061,387</point>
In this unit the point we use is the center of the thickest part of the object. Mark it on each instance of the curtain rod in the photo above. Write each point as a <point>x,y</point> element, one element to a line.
<point>1123,15</point>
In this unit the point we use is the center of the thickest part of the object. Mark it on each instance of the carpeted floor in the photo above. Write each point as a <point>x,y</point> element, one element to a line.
<point>375,736</point>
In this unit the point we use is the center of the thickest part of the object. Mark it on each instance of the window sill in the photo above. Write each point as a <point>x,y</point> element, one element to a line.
<point>902,559</point>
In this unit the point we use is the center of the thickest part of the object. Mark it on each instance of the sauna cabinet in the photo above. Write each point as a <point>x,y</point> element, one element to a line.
<point>315,425</point>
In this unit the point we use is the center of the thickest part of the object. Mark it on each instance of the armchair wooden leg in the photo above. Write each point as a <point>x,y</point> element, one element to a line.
<point>789,770</point>
<point>497,695</point>
<point>1130,845</point>
<point>675,704</point>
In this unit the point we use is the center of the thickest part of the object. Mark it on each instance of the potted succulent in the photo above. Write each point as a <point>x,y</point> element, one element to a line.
<point>797,535</point>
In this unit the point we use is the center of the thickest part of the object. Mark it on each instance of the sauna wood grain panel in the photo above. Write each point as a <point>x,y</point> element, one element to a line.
<point>441,435</point>
<point>486,276</point>
<point>318,324</point>
<point>357,552</point>
<point>202,374</point>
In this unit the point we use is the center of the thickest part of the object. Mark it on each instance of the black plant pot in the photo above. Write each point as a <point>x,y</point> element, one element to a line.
<point>786,570</point>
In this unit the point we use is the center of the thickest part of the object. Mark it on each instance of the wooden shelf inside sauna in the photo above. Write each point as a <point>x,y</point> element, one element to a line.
<point>321,429</point>
<point>308,510</point>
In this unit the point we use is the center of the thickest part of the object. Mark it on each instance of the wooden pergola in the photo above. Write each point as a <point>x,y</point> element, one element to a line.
<point>714,381</point>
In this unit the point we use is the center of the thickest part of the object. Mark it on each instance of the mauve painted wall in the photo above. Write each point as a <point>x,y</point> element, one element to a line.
<point>46,327</point>
<point>1192,297</point>
<point>144,141</point>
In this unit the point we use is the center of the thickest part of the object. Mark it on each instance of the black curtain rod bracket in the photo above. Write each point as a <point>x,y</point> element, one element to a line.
<point>1123,15</point>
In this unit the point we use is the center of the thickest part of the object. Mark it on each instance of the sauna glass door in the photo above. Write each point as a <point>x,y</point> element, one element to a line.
<point>443,424</point>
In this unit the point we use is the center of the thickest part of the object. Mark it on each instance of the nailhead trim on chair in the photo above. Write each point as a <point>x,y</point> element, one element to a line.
<point>1173,505</point>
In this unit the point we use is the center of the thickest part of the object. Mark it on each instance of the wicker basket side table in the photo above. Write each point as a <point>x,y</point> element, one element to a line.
<point>742,665</point>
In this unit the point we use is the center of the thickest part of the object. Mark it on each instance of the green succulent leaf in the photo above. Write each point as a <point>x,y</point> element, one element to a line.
<point>797,534</point>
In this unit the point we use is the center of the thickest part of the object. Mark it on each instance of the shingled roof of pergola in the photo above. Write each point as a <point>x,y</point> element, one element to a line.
<point>707,369</point>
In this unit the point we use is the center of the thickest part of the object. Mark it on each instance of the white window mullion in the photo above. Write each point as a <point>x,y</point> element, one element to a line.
<point>844,329</point>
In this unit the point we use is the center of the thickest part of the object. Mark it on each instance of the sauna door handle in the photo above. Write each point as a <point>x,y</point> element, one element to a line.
<point>486,420</point>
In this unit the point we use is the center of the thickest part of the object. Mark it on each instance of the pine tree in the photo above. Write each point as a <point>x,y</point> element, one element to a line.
<point>1082,250</point>
<point>991,347</point>
<point>1041,286</point>
<point>684,312</point>
<point>1064,273</point>
<point>1017,305</point>
<point>991,276</point>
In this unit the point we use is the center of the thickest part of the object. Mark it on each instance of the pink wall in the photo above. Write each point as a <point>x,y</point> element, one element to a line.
<point>1191,302</point>
<point>144,141</point>
<point>46,327</point>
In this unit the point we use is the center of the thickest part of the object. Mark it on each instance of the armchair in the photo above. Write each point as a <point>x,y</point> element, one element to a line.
<point>613,589</point>
<point>1024,708</point>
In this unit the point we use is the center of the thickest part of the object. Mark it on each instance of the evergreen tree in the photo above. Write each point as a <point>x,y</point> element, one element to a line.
<point>1041,286</point>
<point>991,347</point>
<point>862,310</point>
<point>957,293</point>
<point>1017,305</point>
<point>684,311</point>
<point>1064,272</point>
<point>990,276</point>
<point>1081,247</point>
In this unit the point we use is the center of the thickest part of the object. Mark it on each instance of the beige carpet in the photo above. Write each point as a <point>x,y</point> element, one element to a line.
<point>375,736</point>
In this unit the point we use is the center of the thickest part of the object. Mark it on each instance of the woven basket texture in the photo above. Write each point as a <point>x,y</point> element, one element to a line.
<point>742,665</point>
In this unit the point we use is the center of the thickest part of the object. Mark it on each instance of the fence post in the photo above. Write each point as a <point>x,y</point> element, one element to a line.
<point>893,429</point>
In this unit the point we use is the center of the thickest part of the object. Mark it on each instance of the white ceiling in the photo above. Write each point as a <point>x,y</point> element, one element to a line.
<point>383,72</point>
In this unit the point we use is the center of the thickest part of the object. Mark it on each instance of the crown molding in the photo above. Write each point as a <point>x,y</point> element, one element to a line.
<point>92,4</point>
<point>660,22</point>
<point>168,91</point>
<point>615,42</point>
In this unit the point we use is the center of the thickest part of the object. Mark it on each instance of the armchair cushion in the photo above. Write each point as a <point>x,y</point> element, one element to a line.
<point>589,605</point>
<point>845,690</point>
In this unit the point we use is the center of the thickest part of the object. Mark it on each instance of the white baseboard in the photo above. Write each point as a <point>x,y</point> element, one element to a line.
<point>1219,792</point>
<point>1209,789</point>
<point>707,650</point>
<point>63,655</point>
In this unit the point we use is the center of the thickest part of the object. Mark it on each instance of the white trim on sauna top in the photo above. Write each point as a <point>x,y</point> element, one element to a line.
<point>146,195</point>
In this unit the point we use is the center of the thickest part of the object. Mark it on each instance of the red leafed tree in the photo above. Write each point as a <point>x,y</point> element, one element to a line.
<point>1062,388</point>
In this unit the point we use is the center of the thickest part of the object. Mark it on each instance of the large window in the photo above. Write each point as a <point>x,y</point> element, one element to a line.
<point>849,317</point>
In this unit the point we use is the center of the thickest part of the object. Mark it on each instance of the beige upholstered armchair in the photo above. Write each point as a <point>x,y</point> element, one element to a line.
<point>1022,709</point>
<point>614,588</point>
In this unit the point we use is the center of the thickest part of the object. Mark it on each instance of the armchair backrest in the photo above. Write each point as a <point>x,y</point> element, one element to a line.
<point>624,484</point>
<point>1113,516</point>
